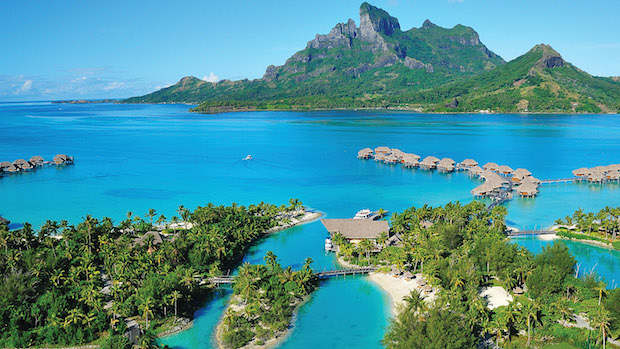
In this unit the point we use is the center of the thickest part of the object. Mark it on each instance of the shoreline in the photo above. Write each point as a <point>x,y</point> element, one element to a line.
<point>555,236</point>
<point>308,217</point>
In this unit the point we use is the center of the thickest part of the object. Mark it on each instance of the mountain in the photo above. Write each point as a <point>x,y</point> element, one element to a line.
<point>430,69</point>
<point>375,59</point>
<point>539,81</point>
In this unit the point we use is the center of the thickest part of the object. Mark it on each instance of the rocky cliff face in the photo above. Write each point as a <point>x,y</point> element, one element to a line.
<point>550,59</point>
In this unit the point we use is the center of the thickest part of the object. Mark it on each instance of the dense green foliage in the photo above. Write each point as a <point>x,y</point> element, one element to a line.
<point>460,249</point>
<point>422,68</point>
<point>53,278</point>
<point>266,296</point>
<point>602,226</point>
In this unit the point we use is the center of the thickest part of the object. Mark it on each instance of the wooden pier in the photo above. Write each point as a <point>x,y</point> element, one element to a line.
<point>530,232</point>
<point>230,279</point>
<point>560,180</point>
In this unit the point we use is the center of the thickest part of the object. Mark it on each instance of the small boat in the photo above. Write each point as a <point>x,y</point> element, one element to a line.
<point>328,244</point>
<point>249,157</point>
<point>363,214</point>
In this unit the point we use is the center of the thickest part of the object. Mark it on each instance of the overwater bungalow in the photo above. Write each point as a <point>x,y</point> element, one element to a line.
<point>469,163</point>
<point>519,174</point>
<point>599,169</point>
<point>399,154</point>
<point>527,190</point>
<point>446,165</point>
<point>582,172</point>
<point>391,159</point>
<point>482,190</point>
<point>23,164</point>
<point>380,156</point>
<point>383,150</point>
<point>531,180</point>
<point>596,177</point>
<point>416,156</point>
<point>476,170</point>
<point>36,160</point>
<point>410,160</point>
<point>429,162</point>
<point>63,159</point>
<point>491,166</point>
<point>9,167</point>
<point>365,153</point>
<point>613,175</point>
<point>505,170</point>
<point>356,230</point>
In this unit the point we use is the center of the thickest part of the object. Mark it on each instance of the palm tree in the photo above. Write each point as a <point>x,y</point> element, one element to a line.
<point>175,296</point>
<point>366,246</point>
<point>382,239</point>
<point>151,214</point>
<point>601,287</point>
<point>601,321</point>
<point>146,307</point>
<point>74,317</point>
<point>529,310</point>
<point>161,219</point>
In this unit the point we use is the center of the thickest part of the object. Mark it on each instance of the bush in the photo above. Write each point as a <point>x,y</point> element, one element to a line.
<point>117,342</point>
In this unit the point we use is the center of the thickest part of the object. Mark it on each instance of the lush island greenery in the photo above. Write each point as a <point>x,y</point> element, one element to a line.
<point>265,297</point>
<point>69,284</point>
<point>460,249</point>
<point>379,65</point>
<point>601,227</point>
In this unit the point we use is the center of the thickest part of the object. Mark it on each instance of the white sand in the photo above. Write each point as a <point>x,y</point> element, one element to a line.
<point>398,288</point>
<point>548,237</point>
<point>496,296</point>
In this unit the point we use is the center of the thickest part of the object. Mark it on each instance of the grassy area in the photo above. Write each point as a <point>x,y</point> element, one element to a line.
<point>559,346</point>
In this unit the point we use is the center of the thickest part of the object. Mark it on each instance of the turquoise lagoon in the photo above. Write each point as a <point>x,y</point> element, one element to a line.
<point>136,157</point>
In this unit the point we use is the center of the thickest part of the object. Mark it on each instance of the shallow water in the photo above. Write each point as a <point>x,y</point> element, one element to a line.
<point>136,157</point>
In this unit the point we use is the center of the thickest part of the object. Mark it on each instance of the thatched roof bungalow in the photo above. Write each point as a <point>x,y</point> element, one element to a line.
<point>356,230</point>
<point>380,156</point>
<point>62,159</point>
<point>599,169</point>
<point>140,241</point>
<point>527,190</point>
<point>391,159</point>
<point>582,172</point>
<point>9,167</point>
<point>416,156</point>
<point>365,153</point>
<point>398,153</point>
<point>429,162</point>
<point>37,160</point>
<point>446,165</point>
<point>447,161</point>
<point>519,174</point>
<point>531,180</point>
<point>482,190</point>
<point>596,177</point>
<point>410,160</point>
<point>23,164</point>
<point>613,175</point>
<point>476,170</point>
<point>469,162</point>
<point>505,170</point>
<point>4,221</point>
<point>384,150</point>
<point>491,166</point>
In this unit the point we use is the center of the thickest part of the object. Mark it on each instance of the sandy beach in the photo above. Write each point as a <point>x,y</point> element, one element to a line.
<point>496,296</point>
<point>398,288</point>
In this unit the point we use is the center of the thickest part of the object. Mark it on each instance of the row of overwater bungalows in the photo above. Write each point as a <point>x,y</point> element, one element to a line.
<point>599,174</point>
<point>20,165</point>
<point>496,177</point>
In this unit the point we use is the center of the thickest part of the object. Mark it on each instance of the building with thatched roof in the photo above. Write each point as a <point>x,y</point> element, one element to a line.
<point>429,162</point>
<point>527,190</point>
<point>9,167</point>
<point>399,154</point>
<point>380,156</point>
<point>505,170</point>
<point>365,153</point>
<point>140,241</point>
<point>4,221</point>
<point>355,230</point>
<point>613,175</point>
<point>63,159</point>
<point>445,167</point>
<point>416,156</point>
<point>469,162</point>
<point>5,164</point>
<point>391,159</point>
<point>37,160</point>
<point>490,166</point>
<point>384,150</point>
<point>519,174</point>
<point>23,164</point>
<point>596,177</point>
<point>483,190</point>
<point>476,170</point>
<point>409,160</point>
<point>582,172</point>
<point>447,161</point>
<point>531,180</point>
<point>599,169</point>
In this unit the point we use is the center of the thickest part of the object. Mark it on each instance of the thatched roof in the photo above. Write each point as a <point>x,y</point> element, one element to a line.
<point>392,158</point>
<point>382,150</point>
<point>596,177</point>
<point>517,290</point>
<point>505,169</point>
<point>482,189</point>
<point>410,159</point>
<point>5,164</point>
<point>427,163</point>
<point>380,156</point>
<point>422,282</point>
<point>4,221</point>
<point>408,275</point>
<point>11,168</point>
<point>36,159</point>
<point>416,156</point>
<point>426,224</point>
<point>582,171</point>
<point>398,152</point>
<point>469,162</point>
<point>427,289</point>
<point>157,238</point>
<point>521,173</point>
<point>431,159</point>
<point>613,174</point>
<point>356,228</point>
<point>527,189</point>
<point>23,164</point>
<point>447,161</point>
<point>490,166</point>
<point>531,180</point>
<point>477,170</point>
<point>446,167</point>
<point>365,152</point>
<point>61,158</point>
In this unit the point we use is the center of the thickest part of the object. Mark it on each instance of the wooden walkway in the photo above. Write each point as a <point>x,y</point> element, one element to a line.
<point>529,232</point>
<point>560,180</point>
<point>230,279</point>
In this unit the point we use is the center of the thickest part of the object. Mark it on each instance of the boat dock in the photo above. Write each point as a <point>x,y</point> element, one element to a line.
<point>230,279</point>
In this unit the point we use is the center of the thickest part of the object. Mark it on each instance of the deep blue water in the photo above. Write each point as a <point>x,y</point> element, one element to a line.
<point>136,157</point>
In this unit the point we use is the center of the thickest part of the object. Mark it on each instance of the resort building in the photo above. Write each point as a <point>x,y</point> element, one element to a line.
<point>411,160</point>
<point>392,159</point>
<point>36,160</point>
<point>527,190</point>
<point>9,167</point>
<point>365,153</point>
<point>398,154</point>
<point>356,230</point>
<point>582,172</point>
<point>505,170</point>
<point>142,240</point>
<point>63,159</point>
<point>596,177</point>
<point>519,174</point>
<point>476,170</point>
<point>446,165</point>
<point>23,164</point>
<point>469,163</point>
<point>383,150</point>
<point>429,162</point>
<point>613,175</point>
<point>490,166</point>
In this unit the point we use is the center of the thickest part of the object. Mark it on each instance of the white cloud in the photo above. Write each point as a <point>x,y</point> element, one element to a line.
<point>27,86</point>
<point>113,85</point>
<point>211,78</point>
<point>82,79</point>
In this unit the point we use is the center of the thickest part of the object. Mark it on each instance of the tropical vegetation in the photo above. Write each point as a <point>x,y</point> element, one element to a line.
<point>67,284</point>
<point>602,226</point>
<point>265,297</point>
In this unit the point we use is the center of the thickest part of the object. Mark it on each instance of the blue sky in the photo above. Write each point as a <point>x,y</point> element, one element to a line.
<point>113,49</point>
